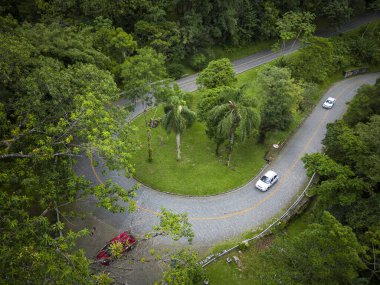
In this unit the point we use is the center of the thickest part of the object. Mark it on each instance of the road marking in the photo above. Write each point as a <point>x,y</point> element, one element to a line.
<point>273,192</point>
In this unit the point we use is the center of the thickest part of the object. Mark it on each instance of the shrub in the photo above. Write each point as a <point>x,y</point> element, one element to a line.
<point>175,70</point>
<point>198,61</point>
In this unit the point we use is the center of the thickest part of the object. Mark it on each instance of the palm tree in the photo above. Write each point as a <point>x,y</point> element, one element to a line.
<point>177,118</point>
<point>238,115</point>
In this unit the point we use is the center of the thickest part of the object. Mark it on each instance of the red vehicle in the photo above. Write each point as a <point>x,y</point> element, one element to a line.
<point>104,256</point>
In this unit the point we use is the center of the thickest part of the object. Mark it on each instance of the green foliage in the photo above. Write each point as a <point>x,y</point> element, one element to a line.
<point>282,96</point>
<point>338,183</point>
<point>270,15</point>
<point>164,37</point>
<point>32,249</point>
<point>183,269</point>
<point>58,108</point>
<point>116,249</point>
<point>218,73</point>
<point>337,11</point>
<point>294,25</point>
<point>141,73</point>
<point>175,70</point>
<point>314,62</point>
<point>356,147</point>
<point>235,114</point>
<point>365,104</point>
<point>112,41</point>
<point>198,61</point>
<point>211,98</point>
<point>177,118</point>
<point>176,226</point>
<point>16,57</point>
<point>325,253</point>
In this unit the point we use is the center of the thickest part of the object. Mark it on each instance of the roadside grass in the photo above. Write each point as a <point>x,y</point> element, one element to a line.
<point>221,272</point>
<point>238,52</point>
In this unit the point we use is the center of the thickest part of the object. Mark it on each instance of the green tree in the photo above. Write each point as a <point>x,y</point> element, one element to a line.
<point>64,114</point>
<point>269,16</point>
<point>33,250</point>
<point>365,104</point>
<point>16,58</point>
<point>324,253</point>
<point>294,25</point>
<point>174,225</point>
<point>183,269</point>
<point>112,41</point>
<point>177,118</point>
<point>315,61</point>
<point>143,78</point>
<point>356,147</point>
<point>142,73</point>
<point>237,114</point>
<point>162,36</point>
<point>282,96</point>
<point>218,73</point>
<point>337,12</point>
<point>339,185</point>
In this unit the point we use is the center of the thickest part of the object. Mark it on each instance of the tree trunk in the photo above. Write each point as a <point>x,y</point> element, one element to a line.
<point>217,149</point>
<point>299,33</point>
<point>148,136</point>
<point>232,138</point>
<point>178,142</point>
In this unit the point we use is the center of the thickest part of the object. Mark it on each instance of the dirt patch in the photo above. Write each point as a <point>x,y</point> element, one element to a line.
<point>264,242</point>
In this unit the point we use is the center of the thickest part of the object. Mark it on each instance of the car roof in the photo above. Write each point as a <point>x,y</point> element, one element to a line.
<point>270,173</point>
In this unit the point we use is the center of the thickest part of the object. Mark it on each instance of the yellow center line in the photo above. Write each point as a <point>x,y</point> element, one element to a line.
<point>246,210</point>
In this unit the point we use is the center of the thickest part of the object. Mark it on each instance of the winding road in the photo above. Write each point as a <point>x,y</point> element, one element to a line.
<point>222,217</point>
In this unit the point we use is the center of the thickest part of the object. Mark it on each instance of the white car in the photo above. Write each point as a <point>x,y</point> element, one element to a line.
<point>329,103</point>
<point>267,180</point>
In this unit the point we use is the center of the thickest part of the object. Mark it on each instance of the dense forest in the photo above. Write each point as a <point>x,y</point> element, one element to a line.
<point>63,64</point>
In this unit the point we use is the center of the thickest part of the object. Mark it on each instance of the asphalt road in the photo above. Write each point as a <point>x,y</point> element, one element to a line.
<point>222,217</point>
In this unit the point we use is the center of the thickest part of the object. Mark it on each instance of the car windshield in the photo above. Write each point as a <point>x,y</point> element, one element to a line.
<point>329,101</point>
<point>265,179</point>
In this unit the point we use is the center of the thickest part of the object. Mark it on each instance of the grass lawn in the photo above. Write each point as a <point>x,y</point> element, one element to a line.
<point>200,171</point>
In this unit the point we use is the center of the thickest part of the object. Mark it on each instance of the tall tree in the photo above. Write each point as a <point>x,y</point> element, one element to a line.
<point>33,250</point>
<point>237,114</point>
<point>294,25</point>
<point>337,12</point>
<point>281,99</point>
<point>183,269</point>
<point>218,73</point>
<point>315,61</point>
<point>143,77</point>
<point>365,104</point>
<point>177,118</point>
<point>324,253</point>
<point>339,185</point>
<point>64,113</point>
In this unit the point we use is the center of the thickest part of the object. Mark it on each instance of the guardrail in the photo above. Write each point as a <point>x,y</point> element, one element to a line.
<point>289,212</point>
